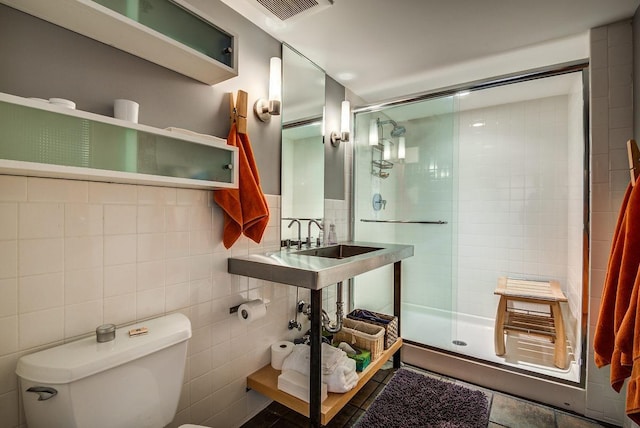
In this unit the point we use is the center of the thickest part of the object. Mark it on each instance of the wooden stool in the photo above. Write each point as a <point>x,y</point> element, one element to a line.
<point>522,320</point>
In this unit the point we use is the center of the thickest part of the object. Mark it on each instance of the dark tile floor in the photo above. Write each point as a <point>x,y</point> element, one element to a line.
<point>505,410</point>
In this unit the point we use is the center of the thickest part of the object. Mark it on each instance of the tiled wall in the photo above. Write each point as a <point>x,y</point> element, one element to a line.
<point>513,193</point>
<point>76,254</point>
<point>611,124</point>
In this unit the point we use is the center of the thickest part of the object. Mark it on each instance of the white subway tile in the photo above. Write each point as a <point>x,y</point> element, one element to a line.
<point>9,409</point>
<point>120,309</point>
<point>8,221</point>
<point>150,219</point>
<point>41,327</point>
<point>41,220</point>
<point>112,193</point>
<point>8,259</point>
<point>38,292</point>
<point>200,267</point>
<point>8,335</point>
<point>201,242</point>
<point>151,246</point>
<point>83,252</point>
<point>176,270</point>
<point>194,197</point>
<point>148,195</point>
<point>200,218</point>
<point>150,275</point>
<point>120,219</point>
<point>200,291</point>
<point>8,378</point>
<point>81,286</point>
<point>8,297</point>
<point>150,303</point>
<point>177,244</point>
<point>39,256</point>
<point>176,297</point>
<point>120,279</point>
<point>176,218</point>
<point>120,249</point>
<point>56,190</point>
<point>13,188</point>
<point>83,219</point>
<point>82,318</point>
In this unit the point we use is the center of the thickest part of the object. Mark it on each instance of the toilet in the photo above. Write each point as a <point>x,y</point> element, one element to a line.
<point>130,381</point>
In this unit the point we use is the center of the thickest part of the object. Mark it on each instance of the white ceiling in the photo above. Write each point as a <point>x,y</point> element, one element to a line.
<point>383,49</point>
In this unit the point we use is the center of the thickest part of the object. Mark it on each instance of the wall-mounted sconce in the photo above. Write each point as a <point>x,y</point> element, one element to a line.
<point>264,109</point>
<point>373,132</point>
<point>345,125</point>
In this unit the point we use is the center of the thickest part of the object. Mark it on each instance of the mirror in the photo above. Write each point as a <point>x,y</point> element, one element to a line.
<point>303,97</point>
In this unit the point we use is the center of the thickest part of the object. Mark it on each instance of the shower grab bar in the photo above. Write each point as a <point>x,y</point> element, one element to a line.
<point>404,221</point>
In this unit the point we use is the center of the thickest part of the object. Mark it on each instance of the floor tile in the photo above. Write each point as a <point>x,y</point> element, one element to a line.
<point>512,412</point>
<point>565,420</point>
<point>505,411</point>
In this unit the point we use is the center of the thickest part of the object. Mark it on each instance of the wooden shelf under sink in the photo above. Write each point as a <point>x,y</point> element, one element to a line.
<point>265,381</point>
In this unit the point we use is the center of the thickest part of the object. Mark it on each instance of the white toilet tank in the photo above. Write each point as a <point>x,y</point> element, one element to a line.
<point>129,382</point>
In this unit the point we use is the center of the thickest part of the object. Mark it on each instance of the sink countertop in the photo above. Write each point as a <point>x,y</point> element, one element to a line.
<point>313,272</point>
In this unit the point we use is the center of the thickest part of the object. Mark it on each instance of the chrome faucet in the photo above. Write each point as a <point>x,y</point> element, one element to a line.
<point>299,239</point>
<point>309,231</point>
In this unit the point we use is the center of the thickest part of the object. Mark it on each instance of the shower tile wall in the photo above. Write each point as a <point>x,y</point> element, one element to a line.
<point>513,187</point>
<point>76,254</point>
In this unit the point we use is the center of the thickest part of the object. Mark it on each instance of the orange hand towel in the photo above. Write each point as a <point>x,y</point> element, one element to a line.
<point>245,208</point>
<point>611,314</point>
<point>633,388</point>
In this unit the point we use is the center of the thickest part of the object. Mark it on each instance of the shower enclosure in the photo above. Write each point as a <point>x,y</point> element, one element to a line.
<point>485,183</point>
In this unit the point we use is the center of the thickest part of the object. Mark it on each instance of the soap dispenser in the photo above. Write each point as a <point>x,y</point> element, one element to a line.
<point>331,236</point>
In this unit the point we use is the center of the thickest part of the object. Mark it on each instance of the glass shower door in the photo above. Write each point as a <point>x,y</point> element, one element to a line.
<point>404,184</point>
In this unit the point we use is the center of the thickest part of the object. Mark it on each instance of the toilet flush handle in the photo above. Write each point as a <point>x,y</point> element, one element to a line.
<point>44,392</point>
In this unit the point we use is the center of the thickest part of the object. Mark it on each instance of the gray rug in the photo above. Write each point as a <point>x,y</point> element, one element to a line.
<point>411,399</point>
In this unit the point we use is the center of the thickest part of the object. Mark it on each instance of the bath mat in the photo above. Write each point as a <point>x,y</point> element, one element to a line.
<point>411,399</point>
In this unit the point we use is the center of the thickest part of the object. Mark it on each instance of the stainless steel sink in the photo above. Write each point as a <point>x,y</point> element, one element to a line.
<point>341,251</point>
<point>317,268</point>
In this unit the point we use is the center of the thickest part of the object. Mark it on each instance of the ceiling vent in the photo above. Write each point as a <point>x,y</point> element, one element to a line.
<point>287,9</point>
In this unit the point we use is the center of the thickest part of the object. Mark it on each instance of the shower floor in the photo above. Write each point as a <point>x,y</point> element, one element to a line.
<point>473,336</point>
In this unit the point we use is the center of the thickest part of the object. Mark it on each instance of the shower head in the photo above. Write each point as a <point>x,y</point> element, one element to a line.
<point>398,130</point>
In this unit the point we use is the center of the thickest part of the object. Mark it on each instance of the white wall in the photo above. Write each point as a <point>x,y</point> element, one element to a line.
<point>611,88</point>
<point>77,254</point>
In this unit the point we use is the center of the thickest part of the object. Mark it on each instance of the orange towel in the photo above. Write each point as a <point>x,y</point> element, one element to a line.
<point>617,335</point>
<point>609,319</point>
<point>245,209</point>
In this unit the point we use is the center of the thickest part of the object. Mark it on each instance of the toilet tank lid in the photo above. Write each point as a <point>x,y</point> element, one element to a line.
<point>85,357</point>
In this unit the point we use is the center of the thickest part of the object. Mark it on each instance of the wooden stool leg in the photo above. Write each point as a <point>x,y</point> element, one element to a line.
<point>498,337</point>
<point>560,355</point>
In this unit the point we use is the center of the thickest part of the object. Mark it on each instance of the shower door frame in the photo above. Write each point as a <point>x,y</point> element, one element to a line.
<point>560,393</point>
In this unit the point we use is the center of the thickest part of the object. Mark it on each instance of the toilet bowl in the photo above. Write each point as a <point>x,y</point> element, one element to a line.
<point>131,381</point>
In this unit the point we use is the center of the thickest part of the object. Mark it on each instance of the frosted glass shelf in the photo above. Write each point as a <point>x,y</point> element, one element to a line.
<point>170,33</point>
<point>41,139</point>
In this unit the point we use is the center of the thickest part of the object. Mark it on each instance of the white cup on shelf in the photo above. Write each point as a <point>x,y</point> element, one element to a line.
<point>126,110</point>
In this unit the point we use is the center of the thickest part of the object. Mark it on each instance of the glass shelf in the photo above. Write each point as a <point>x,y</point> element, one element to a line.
<point>37,138</point>
<point>180,24</point>
<point>170,33</point>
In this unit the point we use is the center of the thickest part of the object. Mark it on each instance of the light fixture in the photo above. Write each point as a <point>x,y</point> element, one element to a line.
<point>264,109</point>
<point>401,148</point>
<point>373,133</point>
<point>386,151</point>
<point>345,124</point>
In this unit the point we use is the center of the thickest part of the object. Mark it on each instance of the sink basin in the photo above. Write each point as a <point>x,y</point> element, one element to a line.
<point>341,251</point>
